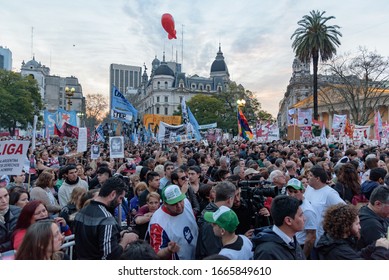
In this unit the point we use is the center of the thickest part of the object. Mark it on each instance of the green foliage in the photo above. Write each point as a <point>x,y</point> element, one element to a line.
<point>20,100</point>
<point>314,39</point>
<point>222,108</point>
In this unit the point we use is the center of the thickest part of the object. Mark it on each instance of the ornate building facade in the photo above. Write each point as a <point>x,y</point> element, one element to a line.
<point>163,91</point>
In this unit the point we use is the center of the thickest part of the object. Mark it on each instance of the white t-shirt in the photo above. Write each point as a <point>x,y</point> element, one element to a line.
<point>321,199</point>
<point>311,221</point>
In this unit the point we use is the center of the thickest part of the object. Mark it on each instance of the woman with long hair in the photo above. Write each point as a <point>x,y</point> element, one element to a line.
<point>43,241</point>
<point>348,182</point>
<point>31,213</point>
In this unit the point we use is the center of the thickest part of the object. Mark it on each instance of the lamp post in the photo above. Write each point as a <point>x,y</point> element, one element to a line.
<point>81,116</point>
<point>69,94</point>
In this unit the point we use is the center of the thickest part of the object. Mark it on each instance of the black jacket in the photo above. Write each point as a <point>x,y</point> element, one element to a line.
<point>343,249</point>
<point>269,246</point>
<point>7,228</point>
<point>373,227</point>
<point>97,233</point>
<point>207,243</point>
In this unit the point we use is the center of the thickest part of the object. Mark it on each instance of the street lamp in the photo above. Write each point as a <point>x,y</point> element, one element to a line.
<point>81,117</point>
<point>69,93</point>
<point>241,103</point>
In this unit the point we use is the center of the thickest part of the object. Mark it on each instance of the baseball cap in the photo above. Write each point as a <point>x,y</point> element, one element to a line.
<point>172,194</point>
<point>224,217</point>
<point>250,171</point>
<point>295,183</point>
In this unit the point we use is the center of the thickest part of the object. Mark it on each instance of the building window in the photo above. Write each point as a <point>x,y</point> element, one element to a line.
<point>158,84</point>
<point>193,86</point>
<point>157,110</point>
<point>208,88</point>
<point>166,98</point>
<point>166,85</point>
<point>157,99</point>
<point>200,87</point>
<point>181,99</point>
<point>166,111</point>
<point>219,89</point>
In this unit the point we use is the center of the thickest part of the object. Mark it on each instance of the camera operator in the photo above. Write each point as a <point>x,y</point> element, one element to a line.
<point>247,213</point>
<point>278,180</point>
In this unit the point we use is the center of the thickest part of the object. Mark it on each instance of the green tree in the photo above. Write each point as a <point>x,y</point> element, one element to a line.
<point>20,101</point>
<point>314,39</point>
<point>222,108</point>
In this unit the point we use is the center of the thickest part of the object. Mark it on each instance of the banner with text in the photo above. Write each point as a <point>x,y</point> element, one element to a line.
<point>13,156</point>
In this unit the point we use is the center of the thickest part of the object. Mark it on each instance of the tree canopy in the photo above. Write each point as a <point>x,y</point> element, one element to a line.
<point>96,109</point>
<point>20,100</point>
<point>314,39</point>
<point>359,84</point>
<point>222,108</point>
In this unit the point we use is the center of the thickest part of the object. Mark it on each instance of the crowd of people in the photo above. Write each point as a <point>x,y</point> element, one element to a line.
<point>195,200</point>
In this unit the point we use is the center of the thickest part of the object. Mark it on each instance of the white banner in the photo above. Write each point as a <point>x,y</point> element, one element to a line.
<point>95,151</point>
<point>339,122</point>
<point>304,117</point>
<point>82,140</point>
<point>116,147</point>
<point>173,133</point>
<point>12,156</point>
<point>274,133</point>
<point>207,126</point>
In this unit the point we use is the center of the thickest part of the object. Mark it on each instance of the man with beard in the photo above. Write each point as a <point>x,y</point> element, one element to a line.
<point>97,233</point>
<point>341,225</point>
<point>71,181</point>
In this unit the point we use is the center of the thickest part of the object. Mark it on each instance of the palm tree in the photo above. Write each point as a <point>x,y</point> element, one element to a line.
<point>314,38</point>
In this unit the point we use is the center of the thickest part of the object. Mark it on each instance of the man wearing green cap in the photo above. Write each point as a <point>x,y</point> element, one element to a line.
<point>224,223</point>
<point>173,230</point>
<point>305,238</point>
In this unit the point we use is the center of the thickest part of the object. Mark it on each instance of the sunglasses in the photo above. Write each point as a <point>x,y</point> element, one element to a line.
<point>184,178</point>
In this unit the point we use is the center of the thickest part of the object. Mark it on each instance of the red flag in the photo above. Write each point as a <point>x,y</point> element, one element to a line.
<point>57,131</point>
<point>348,130</point>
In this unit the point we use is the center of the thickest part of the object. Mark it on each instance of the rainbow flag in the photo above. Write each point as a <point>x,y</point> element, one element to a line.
<point>243,127</point>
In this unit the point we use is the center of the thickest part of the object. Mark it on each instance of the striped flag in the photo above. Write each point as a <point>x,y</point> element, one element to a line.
<point>243,126</point>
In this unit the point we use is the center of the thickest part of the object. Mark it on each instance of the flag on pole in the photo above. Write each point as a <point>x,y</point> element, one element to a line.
<point>194,124</point>
<point>121,108</point>
<point>378,126</point>
<point>323,135</point>
<point>184,111</point>
<point>34,133</point>
<point>243,126</point>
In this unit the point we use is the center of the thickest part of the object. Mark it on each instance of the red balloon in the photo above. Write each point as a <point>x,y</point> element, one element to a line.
<point>168,24</point>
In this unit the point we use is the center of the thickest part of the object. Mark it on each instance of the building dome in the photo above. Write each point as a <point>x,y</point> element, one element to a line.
<point>163,69</point>
<point>219,65</point>
<point>32,64</point>
<point>155,62</point>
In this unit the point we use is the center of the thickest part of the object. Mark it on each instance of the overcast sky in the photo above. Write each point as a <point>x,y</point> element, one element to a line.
<point>82,38</point>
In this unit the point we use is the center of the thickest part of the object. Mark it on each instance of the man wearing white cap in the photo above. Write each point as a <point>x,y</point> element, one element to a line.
<point>173,230</point>
<point>305,238</point>
<point>224,223</point>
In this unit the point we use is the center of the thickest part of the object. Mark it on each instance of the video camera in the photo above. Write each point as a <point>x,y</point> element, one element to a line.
<point>256,191</point>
